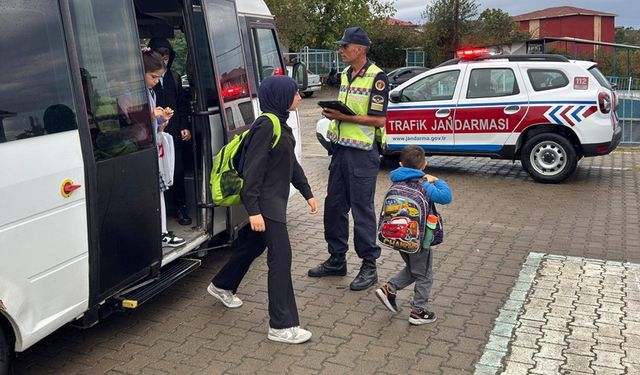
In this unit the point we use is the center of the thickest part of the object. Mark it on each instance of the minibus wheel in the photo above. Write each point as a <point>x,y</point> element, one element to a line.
<point>6,352</point>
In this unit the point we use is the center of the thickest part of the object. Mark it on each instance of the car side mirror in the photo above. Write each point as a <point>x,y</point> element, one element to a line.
<point>299,74</point>
<point>395,96</point>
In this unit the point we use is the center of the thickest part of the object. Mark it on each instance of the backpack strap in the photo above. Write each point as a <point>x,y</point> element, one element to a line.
<point>277,130</point>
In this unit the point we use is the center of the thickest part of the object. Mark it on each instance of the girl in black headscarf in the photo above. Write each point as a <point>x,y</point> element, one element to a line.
<point>267,173</point>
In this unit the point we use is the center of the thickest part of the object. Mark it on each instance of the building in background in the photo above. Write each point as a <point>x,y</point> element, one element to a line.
<point>571,22</point>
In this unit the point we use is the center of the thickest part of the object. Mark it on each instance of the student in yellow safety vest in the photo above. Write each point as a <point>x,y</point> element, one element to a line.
<point>355,161</point>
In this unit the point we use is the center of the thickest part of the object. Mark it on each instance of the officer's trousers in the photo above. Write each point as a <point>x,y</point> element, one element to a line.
<point>283,312</point>
<point>352,187</point>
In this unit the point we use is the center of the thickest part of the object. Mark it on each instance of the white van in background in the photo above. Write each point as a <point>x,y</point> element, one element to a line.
<point>79,196</point>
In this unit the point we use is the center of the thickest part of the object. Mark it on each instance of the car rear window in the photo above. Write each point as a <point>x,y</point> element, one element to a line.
<point>602,80</point>
<point>547,79</point>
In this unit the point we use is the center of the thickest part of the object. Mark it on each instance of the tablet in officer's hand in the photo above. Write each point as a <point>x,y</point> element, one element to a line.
<point>337,105</point>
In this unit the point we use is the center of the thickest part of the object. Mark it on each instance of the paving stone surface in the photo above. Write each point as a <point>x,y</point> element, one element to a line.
<point>580,316</point>
<point>552,335</point>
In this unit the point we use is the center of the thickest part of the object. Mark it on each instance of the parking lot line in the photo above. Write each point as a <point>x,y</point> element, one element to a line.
<point>502,333</point>
<point>570,314</point>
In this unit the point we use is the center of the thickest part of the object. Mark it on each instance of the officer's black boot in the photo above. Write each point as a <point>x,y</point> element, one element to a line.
<point>183,217</point>
<point>367,276</point>
<point>334,266</point>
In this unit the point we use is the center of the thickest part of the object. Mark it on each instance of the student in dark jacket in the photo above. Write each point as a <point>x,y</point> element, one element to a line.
<point>267,173</point>
<point>169,93</point>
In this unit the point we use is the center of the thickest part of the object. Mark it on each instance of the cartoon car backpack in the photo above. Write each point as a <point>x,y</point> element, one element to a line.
<point>403,219</point>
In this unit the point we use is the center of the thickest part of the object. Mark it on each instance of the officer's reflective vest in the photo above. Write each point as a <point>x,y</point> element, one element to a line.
<point>356,96</point>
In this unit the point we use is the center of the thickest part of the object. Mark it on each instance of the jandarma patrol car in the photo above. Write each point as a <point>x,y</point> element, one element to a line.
<point>545,110</point>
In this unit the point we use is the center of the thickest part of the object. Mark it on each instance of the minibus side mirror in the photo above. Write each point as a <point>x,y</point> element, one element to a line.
<point>395,96</point>
<point>299,74</point>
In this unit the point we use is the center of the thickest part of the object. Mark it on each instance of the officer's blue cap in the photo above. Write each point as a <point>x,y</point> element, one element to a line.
<point>354,35</point>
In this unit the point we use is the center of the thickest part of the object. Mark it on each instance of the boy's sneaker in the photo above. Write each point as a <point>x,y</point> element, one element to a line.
<point>389,299</point>
<point>421,317</point>
<point>225,296</point>
<point>171,240</point>
<point>291,335</point>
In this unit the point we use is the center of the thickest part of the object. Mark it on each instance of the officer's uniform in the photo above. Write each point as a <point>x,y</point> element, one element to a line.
<point>354,164</point>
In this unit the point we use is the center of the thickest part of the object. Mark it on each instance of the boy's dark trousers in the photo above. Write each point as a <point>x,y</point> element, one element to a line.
<point>418,269</point>
<point>283,312</point>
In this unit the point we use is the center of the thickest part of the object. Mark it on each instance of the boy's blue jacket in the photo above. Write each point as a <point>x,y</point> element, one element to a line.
<point>439,192</point>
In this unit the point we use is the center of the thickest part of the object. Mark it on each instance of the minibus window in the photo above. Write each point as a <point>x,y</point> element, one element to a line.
<point>111,71</point>
<point>201,42</point>
<point>225,33</point>
<point>36,97</point>
<point>267,53</point>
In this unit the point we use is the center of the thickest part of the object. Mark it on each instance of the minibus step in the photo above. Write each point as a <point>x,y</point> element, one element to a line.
<point>169,274</point>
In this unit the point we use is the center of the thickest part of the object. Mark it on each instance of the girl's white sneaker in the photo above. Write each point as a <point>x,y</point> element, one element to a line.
<point>291,335</point>
<point>225,296</point>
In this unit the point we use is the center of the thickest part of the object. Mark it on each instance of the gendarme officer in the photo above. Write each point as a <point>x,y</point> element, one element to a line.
<point>354,162</point>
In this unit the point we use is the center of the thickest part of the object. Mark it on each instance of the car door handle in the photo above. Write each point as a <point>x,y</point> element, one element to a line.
<point>509,110</point>
<point>444,112</point>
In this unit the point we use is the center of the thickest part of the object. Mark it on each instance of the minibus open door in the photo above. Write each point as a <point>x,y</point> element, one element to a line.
<point>223,107</point>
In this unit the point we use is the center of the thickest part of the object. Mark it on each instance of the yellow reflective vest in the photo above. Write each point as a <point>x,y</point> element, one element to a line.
<point>356,95</point>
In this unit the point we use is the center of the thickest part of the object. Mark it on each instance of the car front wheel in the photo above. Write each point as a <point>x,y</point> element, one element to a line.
<point>308,94</point>
<point>549,158</point>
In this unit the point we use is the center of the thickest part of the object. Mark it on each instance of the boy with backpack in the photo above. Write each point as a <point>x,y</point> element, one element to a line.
<point>403,226</point>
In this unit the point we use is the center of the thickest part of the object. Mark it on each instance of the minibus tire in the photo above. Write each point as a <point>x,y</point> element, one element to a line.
<point>549,158</point>
<point>6,352</point>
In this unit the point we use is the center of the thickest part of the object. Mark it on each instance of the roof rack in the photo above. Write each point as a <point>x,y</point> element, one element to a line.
<point>541,57</point>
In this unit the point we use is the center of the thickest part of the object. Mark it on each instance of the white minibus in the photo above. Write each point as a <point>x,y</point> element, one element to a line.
<point>80,230</point>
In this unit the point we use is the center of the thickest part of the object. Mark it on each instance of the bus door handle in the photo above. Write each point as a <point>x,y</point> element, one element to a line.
<point>510,110</point>
<point>67,187</point>
<point>444,112</point>
<point>211,112</point>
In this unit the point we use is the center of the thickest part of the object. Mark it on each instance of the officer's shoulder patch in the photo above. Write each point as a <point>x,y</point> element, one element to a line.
<point>380,85</point>
<point>378,99</point>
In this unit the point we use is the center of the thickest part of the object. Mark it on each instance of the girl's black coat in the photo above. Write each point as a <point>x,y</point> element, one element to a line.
<point>267,172</point>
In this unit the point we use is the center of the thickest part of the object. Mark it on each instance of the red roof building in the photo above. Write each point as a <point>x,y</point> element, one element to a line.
<point>569,22</point>
<point>396,22</point>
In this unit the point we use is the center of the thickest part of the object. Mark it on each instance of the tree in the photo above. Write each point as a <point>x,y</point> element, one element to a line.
<point>389,44</point>
<point>318,23</point>
<point>447,22</point>
<point>179,45</point>
<point>291,21</point>
<point>495,27</point>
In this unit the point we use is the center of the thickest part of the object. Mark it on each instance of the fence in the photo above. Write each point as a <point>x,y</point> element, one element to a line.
<point>322,61</point>
<point>414,58</point>
<point>628,110</point>
<point>318,61</point>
